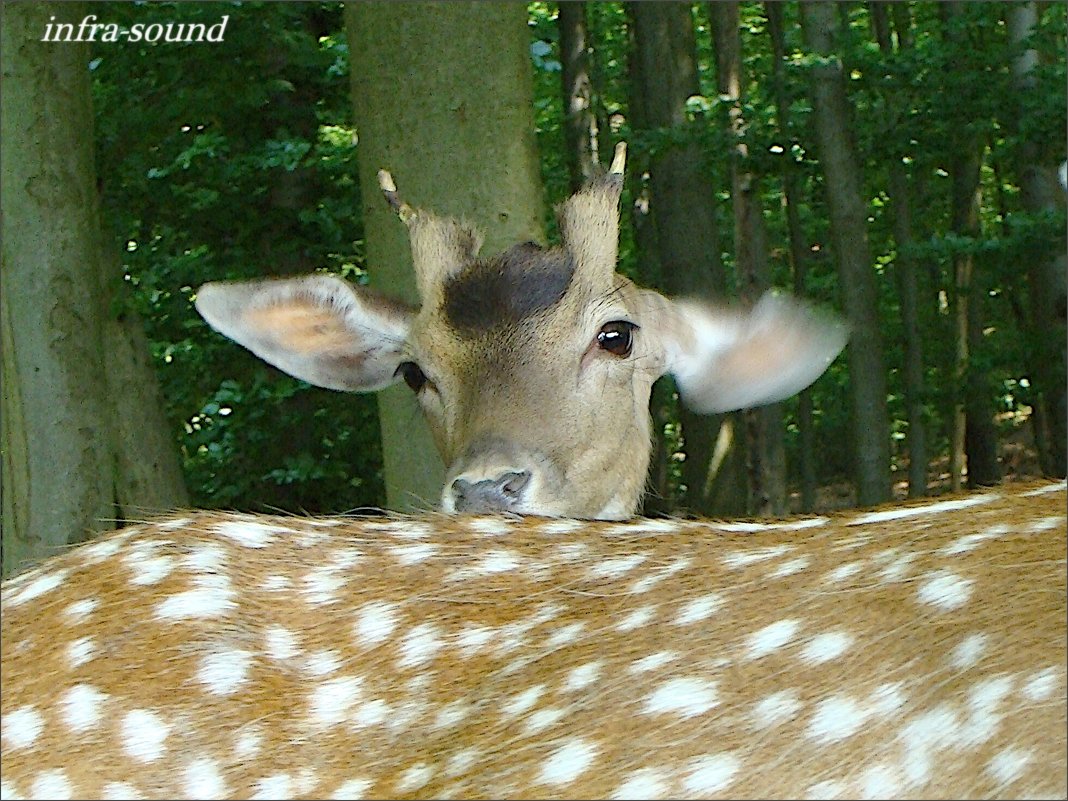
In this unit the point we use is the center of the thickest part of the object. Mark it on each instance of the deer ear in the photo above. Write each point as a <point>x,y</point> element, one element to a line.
<point>318,328</point>
<point>724,359</point>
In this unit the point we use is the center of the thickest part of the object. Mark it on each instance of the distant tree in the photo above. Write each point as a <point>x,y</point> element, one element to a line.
<point>84,442</point>
<point>843,186</point>
<point>664,71</point>
<point>580,120</point>
<point>443,98</point>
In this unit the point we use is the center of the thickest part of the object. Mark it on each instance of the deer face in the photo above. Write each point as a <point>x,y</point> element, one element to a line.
<point>534,367</point>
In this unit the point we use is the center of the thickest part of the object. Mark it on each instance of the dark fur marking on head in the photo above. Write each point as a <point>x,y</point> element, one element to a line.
<point>507,288</point>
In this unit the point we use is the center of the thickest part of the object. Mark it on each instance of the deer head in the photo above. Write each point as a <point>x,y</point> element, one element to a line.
<point>533,366</point>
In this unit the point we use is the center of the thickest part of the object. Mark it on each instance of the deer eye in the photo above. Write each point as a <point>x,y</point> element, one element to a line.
<point>617,337</point>
<point>412,375</point>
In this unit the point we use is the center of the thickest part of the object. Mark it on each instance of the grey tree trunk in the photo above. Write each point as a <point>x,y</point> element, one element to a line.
<point>905,277</point>
<point>842,181</point>
<point>580,122</point>
<point>459,139</point>
<point>664,73</point>
<point>973,441</point>
<point>84,441</point>
<point>766,433</point>
<point>798,250</point>
<point>1045,277</point>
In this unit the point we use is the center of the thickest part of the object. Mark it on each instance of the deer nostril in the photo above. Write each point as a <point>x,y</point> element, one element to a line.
<point>513,484</point>
<point>499,494</point>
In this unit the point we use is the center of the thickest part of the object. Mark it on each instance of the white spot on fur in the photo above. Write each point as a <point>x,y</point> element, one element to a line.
<point>174,523</point>
<point>771,638</point>
<point>196,603</point>
<point>968,651</point>
<point>461,762</point>
<point>582,676</point>
<point>270,787</point>
<point>738,559</point>
<point>542,719</point>
<point>698,609</point>
<point>331,700</point>
<point>39,586</point>
<point>78,611</point>
<point>642,784</point>
<point>1007,766</point>
<point>945,590</point>
<point>473,639</point>
<point>568,762</point>
<point>565,634</point>
<point>490,526</point>
<point>451,714</point>
<point>710,774</point>
<point>203,780</point>
<point>416,777</point>
<point>120,791</point>
<point>224,671</point>
<point>521,702</point>
<point>826,647</point>
<point>420,645</point>
<point>81,651</point>
<point>51,784</point>
<point>250,533</point>
<point>652,662</point>
<point>683,696</point>
<point>281,643</point>
<point>836,718</point>
<point>1041,685</point>
<point>842,572</point>
<point>143,733</point>
<point>776,708</point>
<point>21,727</point>
<point>497,562</point>
<point>928,509</point>
<point>1045,524</point>
<point>615,567</point>
<point>413,553</point>
<point>789,567</point>
<point>81,706</point>
<point>352,790</point>
<point>636,619</point>
<point>371,714</point>
<point>825,790</point>
<point>322,663</point>
<point>969,542</point>
<point>880,781</point>
<point>376,622</point>
<point>561,526</point>
<point>248,741</point>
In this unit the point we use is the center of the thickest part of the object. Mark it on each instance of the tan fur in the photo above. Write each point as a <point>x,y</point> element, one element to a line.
<point>915,652</point>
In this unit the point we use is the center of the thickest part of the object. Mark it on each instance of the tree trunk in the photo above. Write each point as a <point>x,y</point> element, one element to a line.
<point>973,440</point>
<point>766,441</point>
<point>664,73</point>
<point>73,459</point>
<point>842,181</point>
<point>798,250</point>
<point>1045,277</point>
<point>459,139</point>
<point>905,278</point>
<point>580,123</point>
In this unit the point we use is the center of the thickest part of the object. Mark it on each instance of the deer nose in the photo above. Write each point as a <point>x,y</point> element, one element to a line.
<point>500,494</point>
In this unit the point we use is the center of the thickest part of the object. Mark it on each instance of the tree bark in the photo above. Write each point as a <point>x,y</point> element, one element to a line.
<point>1045,277</point>
<point>843,186</point>
<point>973,441</point>
<point>459,139</point>
<point>82,428</point>
<point>664,73</point>
<point>905,278</point>
<point>798,250</point>
<point>580,122</point>
<point>766,441</point>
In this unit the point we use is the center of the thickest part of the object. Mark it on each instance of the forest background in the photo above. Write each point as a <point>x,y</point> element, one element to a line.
<point>895,161</point>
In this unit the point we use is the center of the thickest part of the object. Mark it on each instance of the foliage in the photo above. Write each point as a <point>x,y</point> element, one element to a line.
<point>237,160</point>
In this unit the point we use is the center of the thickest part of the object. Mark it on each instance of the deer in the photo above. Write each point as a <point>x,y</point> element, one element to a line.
<point>533,639</point>
<point>910,651</point>
<point>533,367</point>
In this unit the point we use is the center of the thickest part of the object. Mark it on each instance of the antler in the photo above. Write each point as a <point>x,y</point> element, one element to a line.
<point>389,189</point>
